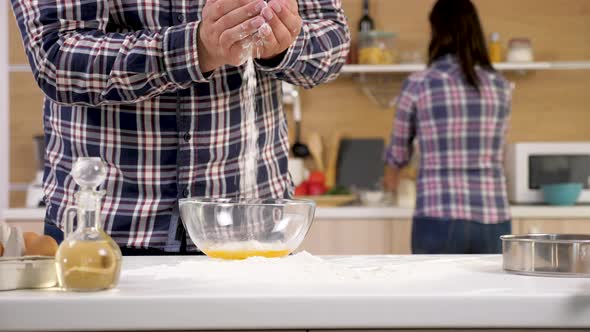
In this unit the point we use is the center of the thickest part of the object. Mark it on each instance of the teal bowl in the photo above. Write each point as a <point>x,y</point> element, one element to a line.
<point>562,194</point>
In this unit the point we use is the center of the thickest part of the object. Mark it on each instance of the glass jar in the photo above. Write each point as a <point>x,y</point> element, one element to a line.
<point>88,259</point>
<point>520,50</point>
<point>377,48</point>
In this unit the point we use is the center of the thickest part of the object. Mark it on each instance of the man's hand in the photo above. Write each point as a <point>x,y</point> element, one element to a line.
<point>226,27</point>
<point>391,179</point>
<point>284,25</point>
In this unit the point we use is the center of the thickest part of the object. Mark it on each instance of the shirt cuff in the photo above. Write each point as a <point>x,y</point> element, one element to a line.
<point>181,54</point>
<point>289,58</point>
<point>391,160</point>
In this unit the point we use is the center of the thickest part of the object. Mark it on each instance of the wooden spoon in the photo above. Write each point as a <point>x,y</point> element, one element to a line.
<point>316,149</point>
<point>333,160</point>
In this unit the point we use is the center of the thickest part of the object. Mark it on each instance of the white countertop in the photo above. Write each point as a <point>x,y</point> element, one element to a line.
<point>402,292</point>
<point>374,213</point>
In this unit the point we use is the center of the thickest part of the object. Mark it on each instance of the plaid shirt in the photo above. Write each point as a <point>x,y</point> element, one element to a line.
<point>122,82</point>
<point>461,136</point>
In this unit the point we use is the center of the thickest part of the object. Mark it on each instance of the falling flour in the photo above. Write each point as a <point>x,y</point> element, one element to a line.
<point>249,176</point>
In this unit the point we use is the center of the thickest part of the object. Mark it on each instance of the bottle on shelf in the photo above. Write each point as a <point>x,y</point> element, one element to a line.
<point>366,27</point>
<point>495,48</point>
<point>366,23</point>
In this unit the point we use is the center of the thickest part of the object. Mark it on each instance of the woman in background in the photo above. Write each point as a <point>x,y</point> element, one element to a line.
<point>458,111</point>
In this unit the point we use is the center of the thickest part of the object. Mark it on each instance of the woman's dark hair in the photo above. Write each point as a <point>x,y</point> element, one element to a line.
<point>456,30</point>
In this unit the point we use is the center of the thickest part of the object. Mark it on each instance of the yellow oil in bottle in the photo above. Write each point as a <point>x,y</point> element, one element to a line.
<point>495,48</point>
<point>244,253</point>
<point>88,259</point>
<point>88,265</point>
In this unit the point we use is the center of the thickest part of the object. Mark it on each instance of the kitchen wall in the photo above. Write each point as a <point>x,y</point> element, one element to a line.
<point>548,105</point>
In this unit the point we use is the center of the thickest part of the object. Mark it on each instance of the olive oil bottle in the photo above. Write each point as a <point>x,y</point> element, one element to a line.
<point>88,259</point>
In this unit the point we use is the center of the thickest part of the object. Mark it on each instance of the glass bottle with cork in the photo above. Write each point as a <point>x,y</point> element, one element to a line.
<point>88,259</point>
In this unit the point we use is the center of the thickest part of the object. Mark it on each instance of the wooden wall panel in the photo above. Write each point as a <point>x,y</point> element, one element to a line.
<point>26,121</point>
<point>558,28</point>
<point>547,105</point>
<point>17,54</point>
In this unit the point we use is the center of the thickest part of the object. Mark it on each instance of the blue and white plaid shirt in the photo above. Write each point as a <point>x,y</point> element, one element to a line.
<point>460,134</point>
<point>122,82</point>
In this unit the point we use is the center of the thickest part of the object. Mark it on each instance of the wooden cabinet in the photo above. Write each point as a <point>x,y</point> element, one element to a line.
<point>349,237</point>
<point>394,236</point>
<point>28,226</point>
<point>402,237</point>
<point>571,226</point>
<point>359,237</point>
<point>450,330</point>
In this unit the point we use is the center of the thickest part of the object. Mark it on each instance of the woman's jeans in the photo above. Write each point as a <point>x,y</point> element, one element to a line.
<point>453,236</point>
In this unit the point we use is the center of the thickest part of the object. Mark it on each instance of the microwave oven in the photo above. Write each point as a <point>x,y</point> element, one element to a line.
<point>531,165</point>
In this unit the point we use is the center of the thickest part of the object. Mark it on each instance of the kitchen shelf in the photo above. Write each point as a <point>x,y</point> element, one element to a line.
<point>19,68</point>
<point>503,66</point>
<point>378,87</point>
<point>23,214</point>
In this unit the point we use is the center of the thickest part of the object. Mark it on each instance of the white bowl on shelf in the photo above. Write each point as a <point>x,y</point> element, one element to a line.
<point>374,198</point>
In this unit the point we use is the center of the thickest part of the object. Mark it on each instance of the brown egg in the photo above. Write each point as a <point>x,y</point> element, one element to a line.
<point>42,246</point>
<point>29,238</point>
<point>1,250</point>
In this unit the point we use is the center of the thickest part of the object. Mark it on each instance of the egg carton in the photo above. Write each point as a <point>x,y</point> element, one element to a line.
<point>23,272</point>
<point>12,239</point>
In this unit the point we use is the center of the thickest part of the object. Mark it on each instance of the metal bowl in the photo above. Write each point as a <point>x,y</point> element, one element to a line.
<point>238,229</point>
<point>555,255</point>
<point>27,272</point>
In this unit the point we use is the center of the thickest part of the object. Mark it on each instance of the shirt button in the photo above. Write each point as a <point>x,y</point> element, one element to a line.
<point>187,137</point>
<point>180,18</point>
<point>185,193</point>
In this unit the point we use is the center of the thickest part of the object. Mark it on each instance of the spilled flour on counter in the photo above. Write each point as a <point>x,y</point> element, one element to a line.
<point>378,271</point>
<point>401,274</point>
<point>302,267</point>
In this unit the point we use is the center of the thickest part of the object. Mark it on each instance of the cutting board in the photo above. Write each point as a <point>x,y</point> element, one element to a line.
<point>360,163</point>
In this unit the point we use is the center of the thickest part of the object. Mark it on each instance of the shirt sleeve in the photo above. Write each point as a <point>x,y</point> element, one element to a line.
<point>320,50</point>
<point>75,61</point>
<point>399,152</point>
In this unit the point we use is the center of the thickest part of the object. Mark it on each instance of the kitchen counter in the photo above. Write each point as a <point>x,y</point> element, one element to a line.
<point>386,292</point>
<point>518,212</point>
<point>373,213</point>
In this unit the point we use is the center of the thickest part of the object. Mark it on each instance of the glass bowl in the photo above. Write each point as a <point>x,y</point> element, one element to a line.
<point>239,229</point>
